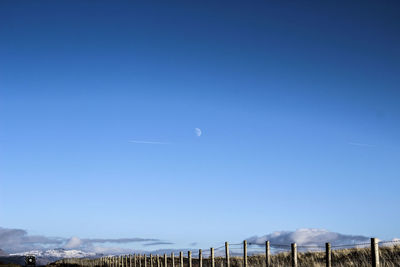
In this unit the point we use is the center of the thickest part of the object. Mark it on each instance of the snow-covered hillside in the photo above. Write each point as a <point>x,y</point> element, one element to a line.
<point>57,253</point>
<point>44,257</point>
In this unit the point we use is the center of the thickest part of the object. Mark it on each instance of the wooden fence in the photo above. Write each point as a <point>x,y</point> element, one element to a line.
<point>144,260</point>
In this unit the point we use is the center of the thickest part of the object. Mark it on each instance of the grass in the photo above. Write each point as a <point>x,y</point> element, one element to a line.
<point>354,257</point>
<point>8,265</point>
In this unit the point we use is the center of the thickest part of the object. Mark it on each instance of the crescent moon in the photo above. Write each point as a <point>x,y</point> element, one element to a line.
<point>197,131</point>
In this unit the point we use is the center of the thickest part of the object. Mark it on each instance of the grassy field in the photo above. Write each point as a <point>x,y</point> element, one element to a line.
<point>389,257</point>
<point>355,257</point>
<point>8,265</point>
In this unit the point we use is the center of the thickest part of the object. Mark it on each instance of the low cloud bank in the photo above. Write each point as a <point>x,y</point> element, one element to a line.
<point>18,240</point>
<point>157,243</point>
<point>308,237</point>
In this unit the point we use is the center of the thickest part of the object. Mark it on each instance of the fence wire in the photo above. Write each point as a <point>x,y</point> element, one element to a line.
<point>356,254</point>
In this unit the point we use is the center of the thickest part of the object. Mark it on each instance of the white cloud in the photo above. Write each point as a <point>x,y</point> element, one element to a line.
<point>308,237</point>
<point>74,242</point>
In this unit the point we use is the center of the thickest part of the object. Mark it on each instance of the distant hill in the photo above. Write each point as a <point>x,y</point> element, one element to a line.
<point>3,253</point>
<point>18,260</point>
<point>58,253</point>
<point>44,257</point>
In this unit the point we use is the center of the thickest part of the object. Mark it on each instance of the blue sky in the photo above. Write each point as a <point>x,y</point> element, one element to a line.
<point>298,104</point>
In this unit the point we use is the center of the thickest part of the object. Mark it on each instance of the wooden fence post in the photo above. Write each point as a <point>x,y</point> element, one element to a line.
<point>227,260</point>
<point>294,255</point>
<point>375,252</point>
<point>181,259</point>
<point>165,260</point>
<point>267,254</point>
<point>328,254</point>
<point>158,260</point>
<point>189,258</point>
<point>145,260</point>
<point>212,257</point>
<point>151,260</point>
<point>140,260</point>
<point>200,258</point>
<point>172,259</point>
<point>245,253</point>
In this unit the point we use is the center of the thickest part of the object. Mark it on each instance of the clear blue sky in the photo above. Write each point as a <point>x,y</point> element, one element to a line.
<point>298,104</point>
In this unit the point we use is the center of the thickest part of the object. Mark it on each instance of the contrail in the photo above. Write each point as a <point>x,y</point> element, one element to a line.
<point>148,142</point>
<point>360,144</point>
